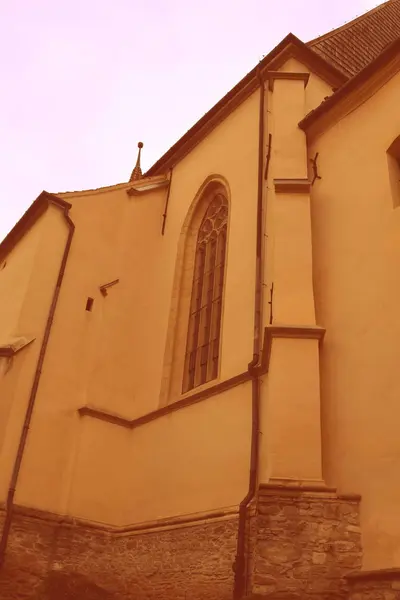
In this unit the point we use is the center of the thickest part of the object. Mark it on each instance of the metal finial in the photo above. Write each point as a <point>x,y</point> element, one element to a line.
<point>137,171</point>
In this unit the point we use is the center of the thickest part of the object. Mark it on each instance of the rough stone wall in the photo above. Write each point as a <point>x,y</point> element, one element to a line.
<point>49,560</point>
<point>307,542</point>
<point>378,585</point>
<point>301,546</point>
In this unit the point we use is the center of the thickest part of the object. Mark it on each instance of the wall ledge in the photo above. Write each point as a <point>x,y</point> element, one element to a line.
<point>305,332</point>
<point>219,388</point>
<point>296,487</point>
<point>270,332</point>
<point>177,522</point>
<point>14,345</point>
<point>377,575</point>
<point>293,487</point>
<point>292,186</point>
<point>288,76</point>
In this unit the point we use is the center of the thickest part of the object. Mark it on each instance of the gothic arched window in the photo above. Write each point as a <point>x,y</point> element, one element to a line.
<point>204,329</point>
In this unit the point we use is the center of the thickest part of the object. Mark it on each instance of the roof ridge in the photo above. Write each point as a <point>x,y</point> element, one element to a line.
<point>349,23</point>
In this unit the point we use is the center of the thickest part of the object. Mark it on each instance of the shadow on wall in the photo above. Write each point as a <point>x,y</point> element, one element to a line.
<point>71,586</point>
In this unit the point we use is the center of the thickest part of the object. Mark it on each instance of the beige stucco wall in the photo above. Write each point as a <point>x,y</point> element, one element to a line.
<point>317,89</point>
<point>29,277</point>
<point>356,243</point>
<point>112,357</point>
<point>15,275</point>
<point>190,461</point>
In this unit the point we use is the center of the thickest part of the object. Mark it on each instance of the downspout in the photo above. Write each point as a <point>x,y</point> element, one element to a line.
<point>32,397</point>
<point>240,565</point>
<point>165,213</point>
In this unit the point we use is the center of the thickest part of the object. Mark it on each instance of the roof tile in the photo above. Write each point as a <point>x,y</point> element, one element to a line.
<point>353,46</point>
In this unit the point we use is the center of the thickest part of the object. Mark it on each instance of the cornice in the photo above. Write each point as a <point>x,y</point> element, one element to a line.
<point>141,187</point>
<point>305,332</point>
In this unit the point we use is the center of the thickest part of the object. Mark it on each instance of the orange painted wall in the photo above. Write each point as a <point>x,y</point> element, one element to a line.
<point>356,244</point>
<point>29,278</point>
<point>112,357</point>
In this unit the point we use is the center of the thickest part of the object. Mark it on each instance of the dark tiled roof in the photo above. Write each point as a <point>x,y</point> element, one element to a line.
<point>352,47</point>
<point>380,62</point>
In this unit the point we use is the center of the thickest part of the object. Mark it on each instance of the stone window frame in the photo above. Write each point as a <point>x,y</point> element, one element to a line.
<point>204,323</point>
<point>393,155</point>
<point>176,344</point>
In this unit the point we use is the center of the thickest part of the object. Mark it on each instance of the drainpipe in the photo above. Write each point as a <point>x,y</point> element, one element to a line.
<point>164,221</point>
<point>240,565</point>
<point>65,206</point>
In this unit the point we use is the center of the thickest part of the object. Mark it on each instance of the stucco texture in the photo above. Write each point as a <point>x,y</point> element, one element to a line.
<point>356,252</point>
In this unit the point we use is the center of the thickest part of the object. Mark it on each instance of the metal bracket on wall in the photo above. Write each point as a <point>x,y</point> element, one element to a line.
<point>103,288</point>
<point>313,161</point>
<point>269,147</point>
<point>271,300</point>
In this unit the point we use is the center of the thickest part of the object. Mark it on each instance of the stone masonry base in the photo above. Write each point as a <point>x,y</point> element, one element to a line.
<point>305,545</point>
<point>375,585</point>
<point>307,542</point>
<point>48,559</point>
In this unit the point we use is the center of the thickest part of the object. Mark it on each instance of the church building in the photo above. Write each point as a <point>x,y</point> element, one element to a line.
<point>200,367</point>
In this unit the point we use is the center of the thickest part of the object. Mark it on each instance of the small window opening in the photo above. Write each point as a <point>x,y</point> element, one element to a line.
<point>89,304</point>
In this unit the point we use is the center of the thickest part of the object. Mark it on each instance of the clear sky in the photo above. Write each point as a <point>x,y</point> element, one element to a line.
<point>84,80</point>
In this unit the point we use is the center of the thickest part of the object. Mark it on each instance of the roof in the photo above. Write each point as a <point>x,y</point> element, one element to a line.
<point>339,55</point>
<point>289,46</point>
<point>384,58</point>
<point>42,202</point>
<point>353,46</point>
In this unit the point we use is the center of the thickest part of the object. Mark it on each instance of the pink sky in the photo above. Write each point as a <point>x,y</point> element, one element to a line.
<point>84,80</point>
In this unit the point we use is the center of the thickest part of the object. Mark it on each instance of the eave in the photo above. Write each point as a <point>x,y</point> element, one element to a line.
<point>28,219</point>
<point>147,184</point>
<point>355,91</point>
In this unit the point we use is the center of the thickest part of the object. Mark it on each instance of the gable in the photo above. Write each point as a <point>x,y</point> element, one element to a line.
<point>290,47</point>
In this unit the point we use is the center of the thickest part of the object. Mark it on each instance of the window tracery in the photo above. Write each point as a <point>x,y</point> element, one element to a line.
<point>204,328</point>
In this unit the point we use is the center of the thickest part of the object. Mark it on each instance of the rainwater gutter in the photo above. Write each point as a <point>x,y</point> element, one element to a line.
<point>9,505</point>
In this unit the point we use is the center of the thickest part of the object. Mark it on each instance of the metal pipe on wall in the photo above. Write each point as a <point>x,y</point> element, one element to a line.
<point>240,565</point>
<point>36,380</point>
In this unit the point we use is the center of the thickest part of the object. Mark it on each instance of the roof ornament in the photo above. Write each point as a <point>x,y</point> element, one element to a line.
<point>137,171</point>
